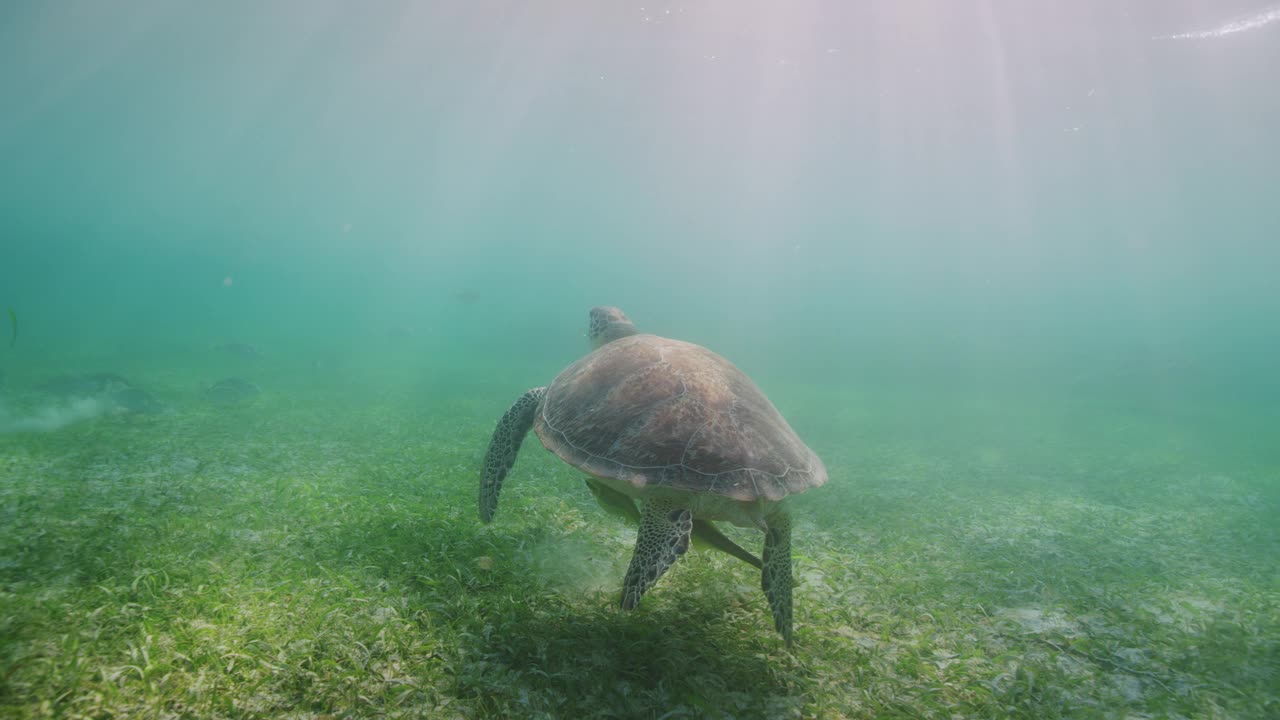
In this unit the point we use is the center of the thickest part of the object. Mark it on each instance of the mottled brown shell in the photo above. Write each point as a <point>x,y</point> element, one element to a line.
<point>656,412</point>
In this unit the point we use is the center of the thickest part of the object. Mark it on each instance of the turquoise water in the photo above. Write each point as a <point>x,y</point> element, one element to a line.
<point>987,258</point>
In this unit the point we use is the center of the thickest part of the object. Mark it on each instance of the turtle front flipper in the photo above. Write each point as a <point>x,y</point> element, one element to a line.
<point>663,537</point>
<point>504,446</point>
<point>776,577</point>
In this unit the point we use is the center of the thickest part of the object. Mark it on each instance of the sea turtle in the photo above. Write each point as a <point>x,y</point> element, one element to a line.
<point>677,428</point>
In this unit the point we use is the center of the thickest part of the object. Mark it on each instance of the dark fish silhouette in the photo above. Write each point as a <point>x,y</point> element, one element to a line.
<point>467,297</point>
<point>400,332</point>
<point>231,390</point>
<point>238,348</point>
<point>136,401</point>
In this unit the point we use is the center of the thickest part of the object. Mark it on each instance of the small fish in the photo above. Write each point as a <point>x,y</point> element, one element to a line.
<point>400,332</point>
<point>13,320</point>
<point>231,390</point>
<point>239,348</point>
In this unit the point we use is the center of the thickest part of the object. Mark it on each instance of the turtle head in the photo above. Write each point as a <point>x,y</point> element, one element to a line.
<point>608,324</point>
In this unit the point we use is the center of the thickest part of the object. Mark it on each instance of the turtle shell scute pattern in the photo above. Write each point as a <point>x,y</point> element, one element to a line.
<point>656,412</point>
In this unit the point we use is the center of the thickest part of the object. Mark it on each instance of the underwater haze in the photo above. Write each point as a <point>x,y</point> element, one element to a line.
<point>271,272</point>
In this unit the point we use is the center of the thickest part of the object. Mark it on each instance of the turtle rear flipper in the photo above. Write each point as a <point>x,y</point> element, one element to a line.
<point>504,446</point>
<point>614,502</point>
<point>704,535</point>
<point>663,538</point>
<point>775,580</point>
